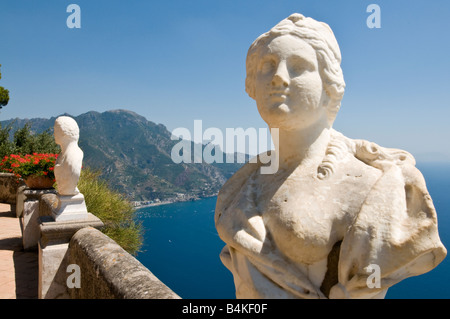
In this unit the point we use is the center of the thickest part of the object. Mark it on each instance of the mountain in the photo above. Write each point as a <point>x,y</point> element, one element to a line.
<point>134,156</point>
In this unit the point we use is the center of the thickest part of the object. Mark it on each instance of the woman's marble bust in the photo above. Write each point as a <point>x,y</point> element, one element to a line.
<point>69,162</point>
<point>337,207</point>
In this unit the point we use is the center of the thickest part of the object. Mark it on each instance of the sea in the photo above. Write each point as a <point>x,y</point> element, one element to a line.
<point>181,247</point>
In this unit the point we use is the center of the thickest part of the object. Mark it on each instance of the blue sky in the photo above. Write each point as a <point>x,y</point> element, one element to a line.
<point>177,61</point>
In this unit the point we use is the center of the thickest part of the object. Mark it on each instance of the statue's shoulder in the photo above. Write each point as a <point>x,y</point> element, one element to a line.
<point>234,185</point>
<point>384,158</point>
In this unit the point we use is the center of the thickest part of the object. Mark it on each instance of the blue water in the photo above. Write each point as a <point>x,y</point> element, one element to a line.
<point>181,247</point>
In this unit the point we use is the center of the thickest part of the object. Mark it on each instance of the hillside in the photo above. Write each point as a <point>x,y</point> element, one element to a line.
<point>133,155</point>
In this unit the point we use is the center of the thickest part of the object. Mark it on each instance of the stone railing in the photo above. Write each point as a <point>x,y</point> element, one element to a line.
<point>108,271</point>
<point>76,260</point>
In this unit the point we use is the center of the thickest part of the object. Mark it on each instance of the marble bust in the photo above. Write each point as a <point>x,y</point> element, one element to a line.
<point>71,203</point>
<point>68,164</point>
<point>336,207</point>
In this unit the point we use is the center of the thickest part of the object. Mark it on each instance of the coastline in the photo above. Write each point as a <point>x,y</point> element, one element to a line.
<point>156,204</point>
<point>173,201</point>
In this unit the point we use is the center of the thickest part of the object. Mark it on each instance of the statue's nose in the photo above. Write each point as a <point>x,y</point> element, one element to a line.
<point>281,76</point>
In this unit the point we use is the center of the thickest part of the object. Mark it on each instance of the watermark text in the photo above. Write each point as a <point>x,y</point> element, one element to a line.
<point>74,279</point>
<point>374,19</point>
<point>74,19</point>
<point>209,146</point>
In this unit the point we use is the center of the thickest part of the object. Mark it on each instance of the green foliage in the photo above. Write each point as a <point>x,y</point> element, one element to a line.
<point>4,94</point>
<point>6,147</point>
<point>44,143</point>
<point>116,212</point>
<point>25,142</point>
<point>4,97</point>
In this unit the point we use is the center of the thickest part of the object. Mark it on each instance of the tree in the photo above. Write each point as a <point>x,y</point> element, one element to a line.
<point>6,146</point>
<point>24,141</point>
<point>4,94</point>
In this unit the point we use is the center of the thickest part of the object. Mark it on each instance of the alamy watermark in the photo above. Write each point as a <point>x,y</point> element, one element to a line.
<point>74,19</point>
<point>374,19</point>
<point>74,279</point>
<point>374,279</point>
<point>209,146</point>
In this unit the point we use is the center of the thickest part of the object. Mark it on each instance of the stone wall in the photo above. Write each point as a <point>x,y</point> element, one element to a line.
<point>8,188</point>
<point>108,271</point>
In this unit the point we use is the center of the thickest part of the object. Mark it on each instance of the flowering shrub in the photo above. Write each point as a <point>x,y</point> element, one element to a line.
<point>35,164</point>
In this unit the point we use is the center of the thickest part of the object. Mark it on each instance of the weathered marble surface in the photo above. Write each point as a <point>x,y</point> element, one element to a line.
<point>68,164</point>
<point>71,203</point>
<point>336,205</point>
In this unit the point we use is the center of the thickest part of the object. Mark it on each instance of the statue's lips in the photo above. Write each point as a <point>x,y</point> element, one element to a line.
<point>279,95</point>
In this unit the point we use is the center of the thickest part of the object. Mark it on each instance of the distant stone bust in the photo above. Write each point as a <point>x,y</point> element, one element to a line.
<point>341,218</point>
<point>68,164</point>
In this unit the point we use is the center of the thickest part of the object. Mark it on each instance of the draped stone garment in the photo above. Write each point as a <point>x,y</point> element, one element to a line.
<point>395,229</point>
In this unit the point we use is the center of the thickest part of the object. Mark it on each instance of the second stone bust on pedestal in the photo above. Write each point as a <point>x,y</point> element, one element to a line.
<point>71,204</point>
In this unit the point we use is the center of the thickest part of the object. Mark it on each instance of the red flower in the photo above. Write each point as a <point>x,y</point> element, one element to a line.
<point>29,164</point>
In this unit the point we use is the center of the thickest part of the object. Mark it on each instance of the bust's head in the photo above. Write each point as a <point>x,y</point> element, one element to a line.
<point>66,130</point>
<point>294,70</point>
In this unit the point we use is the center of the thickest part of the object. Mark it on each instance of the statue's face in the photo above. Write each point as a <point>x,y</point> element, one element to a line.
<point>65,132</point>
<point>288,86</point>
<point>58,134</point>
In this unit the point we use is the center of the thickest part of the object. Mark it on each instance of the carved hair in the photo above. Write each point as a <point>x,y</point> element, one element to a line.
<point>337,148</point>
<point>68,127</point>
<point>367,152</point>
<point>380,157</point>
<point>321,38</point>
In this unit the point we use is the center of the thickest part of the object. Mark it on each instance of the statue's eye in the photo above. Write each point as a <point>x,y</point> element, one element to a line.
<point>267,67</point>
<point>297,66</point>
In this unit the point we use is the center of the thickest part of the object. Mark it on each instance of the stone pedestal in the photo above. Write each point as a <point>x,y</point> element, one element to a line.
<point>28,202</point>
<point>20,200</point>
<point>53,247</point>
<point>70,207</point>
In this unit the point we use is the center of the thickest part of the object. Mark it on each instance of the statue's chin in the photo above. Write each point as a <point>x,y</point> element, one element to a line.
<point>287,122</point>
<point>283,108</point>
<point>285,118</point>
<point>275,116</point>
